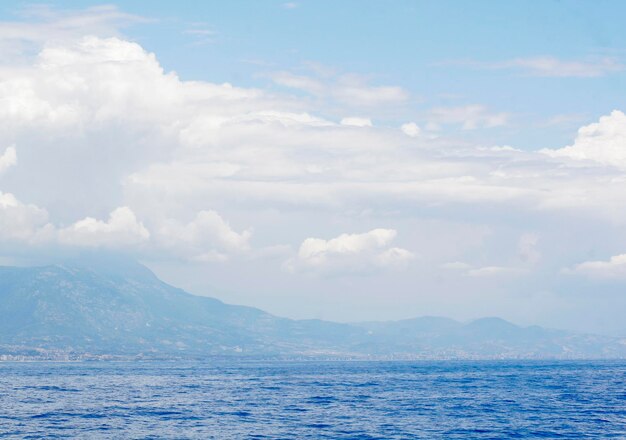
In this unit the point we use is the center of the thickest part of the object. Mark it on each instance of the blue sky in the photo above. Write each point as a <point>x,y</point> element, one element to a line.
<point>340,160</point>
<point>409,44</point>
<point>428,48</point>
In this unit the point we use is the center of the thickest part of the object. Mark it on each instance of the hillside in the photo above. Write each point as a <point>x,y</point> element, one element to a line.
<point>124,309</point>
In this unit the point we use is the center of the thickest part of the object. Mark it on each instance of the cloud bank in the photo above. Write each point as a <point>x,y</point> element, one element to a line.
<point>185,172</point>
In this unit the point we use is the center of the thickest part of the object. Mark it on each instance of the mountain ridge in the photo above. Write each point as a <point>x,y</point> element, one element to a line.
<point>121,308</point>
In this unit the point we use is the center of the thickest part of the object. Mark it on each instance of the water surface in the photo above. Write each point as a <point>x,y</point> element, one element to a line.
<point>313,400</point>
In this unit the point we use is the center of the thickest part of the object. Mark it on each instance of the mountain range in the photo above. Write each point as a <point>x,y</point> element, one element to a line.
<point>121,309</point>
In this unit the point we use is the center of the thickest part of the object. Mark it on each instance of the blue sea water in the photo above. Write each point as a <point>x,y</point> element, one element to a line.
<point>313,400</point>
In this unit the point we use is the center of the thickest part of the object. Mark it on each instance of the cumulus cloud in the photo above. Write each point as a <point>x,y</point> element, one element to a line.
<point>207,238</point>
<point>603,142</point>
<point>614,268</point>
<point>350,253</point>
<point>85,112</point>
<point>23,223</point>
<point>121,230</point>
<point>8,159</point>
<point>411,129</point>
<point>20,222</point>
<point>196,142</point>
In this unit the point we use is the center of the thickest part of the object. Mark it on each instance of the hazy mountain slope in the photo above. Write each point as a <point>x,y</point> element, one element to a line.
<point>487,337</point>
<point>131,311</point>
<point>124,309</point>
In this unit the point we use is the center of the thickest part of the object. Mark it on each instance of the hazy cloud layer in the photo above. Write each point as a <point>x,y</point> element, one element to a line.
<point>196,147</point>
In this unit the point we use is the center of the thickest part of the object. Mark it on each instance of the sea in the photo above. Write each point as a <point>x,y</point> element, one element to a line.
<point>242,399</point>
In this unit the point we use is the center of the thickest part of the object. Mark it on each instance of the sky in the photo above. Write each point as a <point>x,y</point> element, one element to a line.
<point>350,161</point>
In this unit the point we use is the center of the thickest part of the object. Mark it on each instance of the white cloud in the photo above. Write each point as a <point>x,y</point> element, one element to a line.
<point>195,143</point>
<point>348,89</point>
<point>22,223</point>
<point>201,35</point>
<point>300,82</point>
<point>83,86</point>
<point>286,119</point>
<point>206,238</point>
<point>350,253</point>
<point>121,230</point>
<point>470,117</point>
<point>411,129</point>
<point>29,224</point>
<point>353,91</point>
<point>554,67</point>
<point>85,112</point>
<point>101,120</point>
<point>550,66</point>
<point>316,248</point>
<point>8,159</point>
<point>198,143</point>
<point>356,122</point>
<point>42,24</point>
<point>202,32</point>
<point>394,257</point>
<point>614,268</point>
<point>603,142</point>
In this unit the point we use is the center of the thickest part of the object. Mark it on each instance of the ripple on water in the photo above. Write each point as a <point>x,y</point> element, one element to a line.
<point>314,400</point>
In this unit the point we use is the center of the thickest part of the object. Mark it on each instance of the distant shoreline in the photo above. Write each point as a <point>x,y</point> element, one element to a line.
<point>251,359</point>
